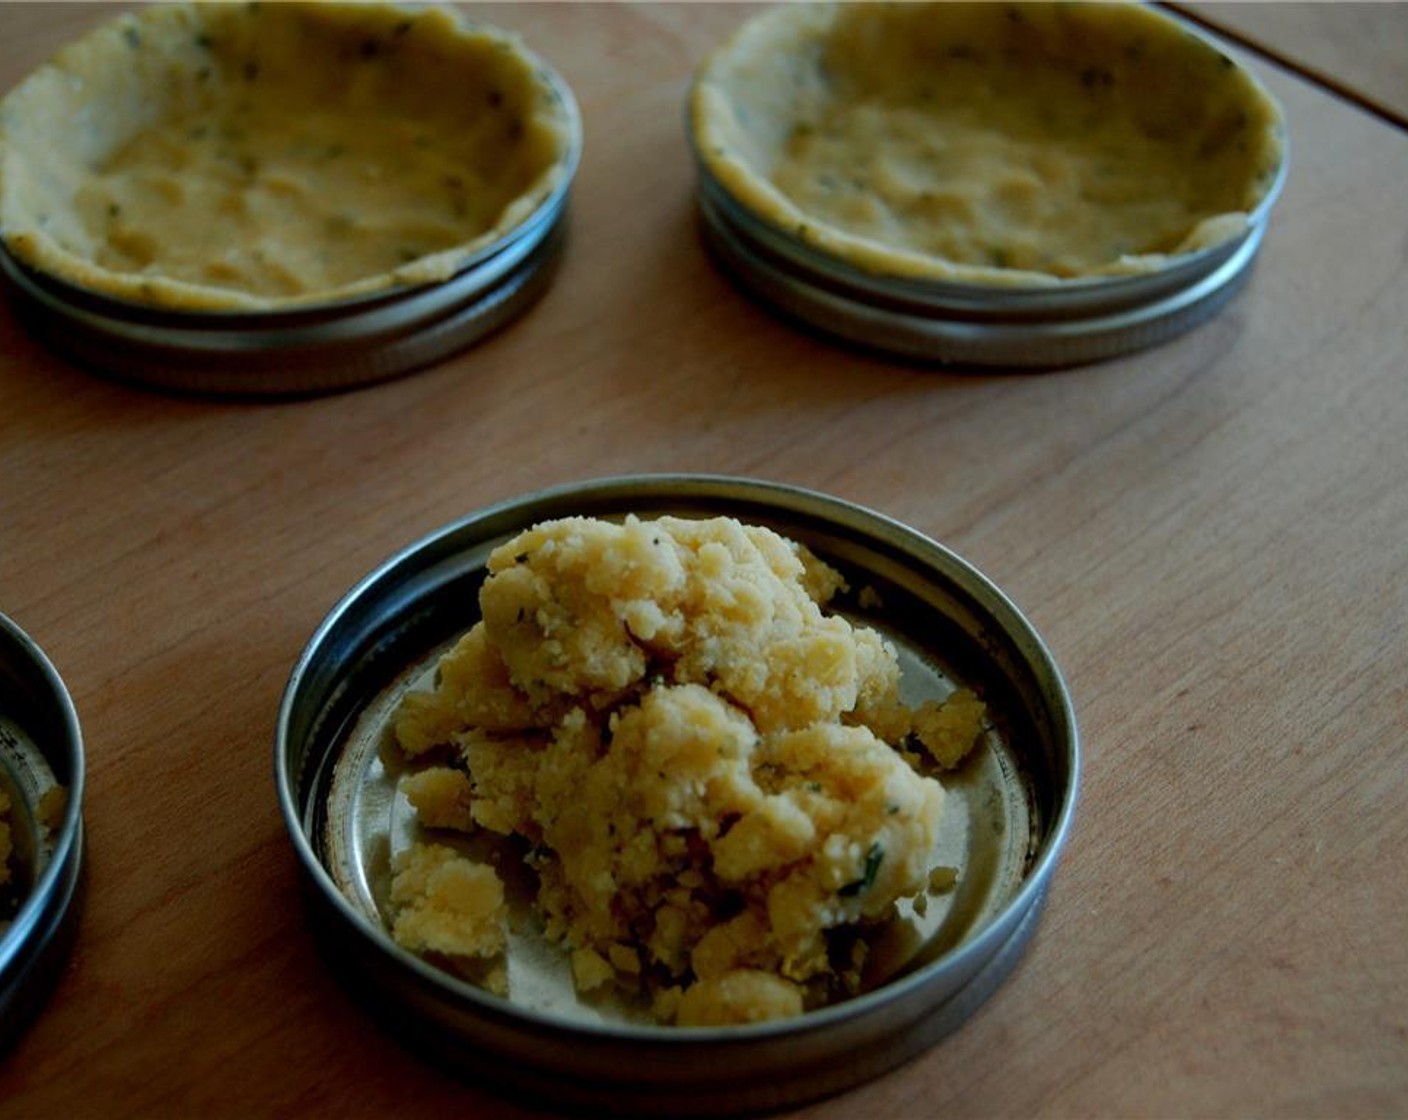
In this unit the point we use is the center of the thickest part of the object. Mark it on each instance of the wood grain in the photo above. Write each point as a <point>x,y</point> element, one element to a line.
<point>1359,49</point>
<point>1211,537</point>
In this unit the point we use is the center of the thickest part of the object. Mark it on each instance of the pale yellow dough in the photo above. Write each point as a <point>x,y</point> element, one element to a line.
<point>694,752</point>
<point>251,156</point>
<point>1013,144</point>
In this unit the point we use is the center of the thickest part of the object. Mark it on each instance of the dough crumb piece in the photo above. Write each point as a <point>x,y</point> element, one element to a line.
<point>422,724</point>
<point>442,797</point>
<point>446,903</point>
<point>942,880</point>
<point>52,807</point>
<point>744,995</point>
<point>665,1006</point>
<point>625,959</point>
<point>949,729</point>
<point>590,970</point>
<point>496,981</point>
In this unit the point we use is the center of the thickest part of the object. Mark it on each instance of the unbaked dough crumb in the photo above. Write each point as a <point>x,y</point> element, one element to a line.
<point>948,728</point>
<point>441,797</point>
<point>741,996</point>
<point>447,903</point>
<point>942,880</point>
<point>590,970</point>
<point>705,766</point>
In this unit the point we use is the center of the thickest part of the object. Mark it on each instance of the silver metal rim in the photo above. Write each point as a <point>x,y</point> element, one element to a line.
<point>988,339</point>
<point>568,1061</point>
<point>368,345</point>
<point>37,941</point>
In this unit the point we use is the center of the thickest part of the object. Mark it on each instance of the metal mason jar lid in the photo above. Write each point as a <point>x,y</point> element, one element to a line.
<point>1011,809</point>
<point>965,325</point>
<point>301,351</point>
<point>920,305</point>
<point>175,332</point>
<point>41,776</point>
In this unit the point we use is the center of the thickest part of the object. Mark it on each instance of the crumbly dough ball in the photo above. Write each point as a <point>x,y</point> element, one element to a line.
<point>703,762</point>
<point>570,604</point>
<point>590,970</point>
<point>441,797</point>
<point>578,609</point>
<point>473,690</point>
<point>942,880</point>
<point>948,728</point>
<point>446,903</point>
<point>742,996</point>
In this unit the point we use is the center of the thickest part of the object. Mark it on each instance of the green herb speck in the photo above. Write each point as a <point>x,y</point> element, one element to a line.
<point>873,859</point>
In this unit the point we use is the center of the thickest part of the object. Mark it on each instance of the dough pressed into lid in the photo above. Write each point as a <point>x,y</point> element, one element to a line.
<point>1016,144</point>
<point>256,156</point>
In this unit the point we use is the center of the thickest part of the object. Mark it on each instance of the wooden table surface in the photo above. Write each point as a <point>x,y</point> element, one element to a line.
<point>1212,537</point>
<point>1358,49</point>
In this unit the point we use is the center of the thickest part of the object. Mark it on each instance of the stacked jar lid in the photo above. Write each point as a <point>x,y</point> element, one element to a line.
<point>990,184</point>
<point>283,198</point>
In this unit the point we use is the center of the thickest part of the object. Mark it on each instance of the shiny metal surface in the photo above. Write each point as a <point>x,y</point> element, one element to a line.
<point>292,353</point>
<point>1007,816</point>
<point>41,747</point>
<point>1006,330</point>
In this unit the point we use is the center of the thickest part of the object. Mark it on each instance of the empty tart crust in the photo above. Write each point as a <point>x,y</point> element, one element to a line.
<point>998,144</point>
<point>259,156</point>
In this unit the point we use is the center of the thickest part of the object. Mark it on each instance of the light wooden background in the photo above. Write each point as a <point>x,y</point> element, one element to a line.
<point>1212,537</point>
<point>1359,49</point>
